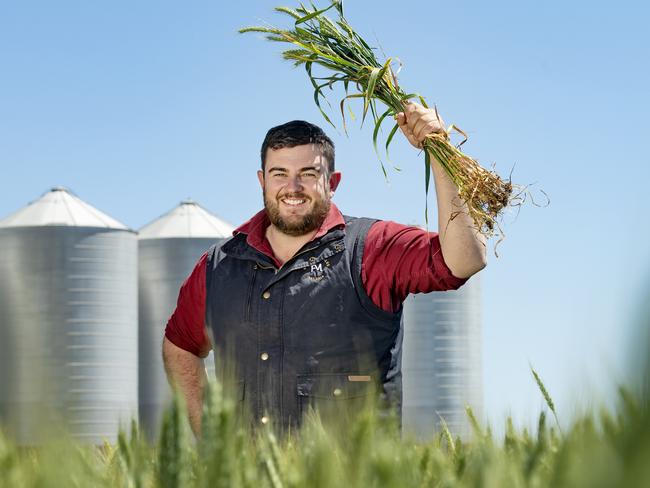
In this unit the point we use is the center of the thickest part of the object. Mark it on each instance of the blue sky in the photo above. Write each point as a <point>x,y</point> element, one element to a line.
<point>137,105</point>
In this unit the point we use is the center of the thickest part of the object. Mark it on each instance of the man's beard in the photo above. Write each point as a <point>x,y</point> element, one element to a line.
<point>306,224</point>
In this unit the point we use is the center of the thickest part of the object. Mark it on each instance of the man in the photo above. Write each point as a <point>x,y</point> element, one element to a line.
<point>306,302</point>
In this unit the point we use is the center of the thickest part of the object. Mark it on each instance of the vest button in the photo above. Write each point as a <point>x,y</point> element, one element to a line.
<point>337,392</point>
<point>266,295</point>
<point>264,356</point>
<point>264,420</point>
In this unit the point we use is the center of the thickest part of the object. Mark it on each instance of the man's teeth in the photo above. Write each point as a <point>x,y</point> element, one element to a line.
<point>293,201</point>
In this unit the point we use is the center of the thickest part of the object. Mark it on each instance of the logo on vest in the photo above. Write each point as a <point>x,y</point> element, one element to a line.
<point>316,272</point>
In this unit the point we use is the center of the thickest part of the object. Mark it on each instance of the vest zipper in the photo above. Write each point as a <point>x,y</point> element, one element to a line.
<point>295,256</point>
<point>247,311</point>
<point>306,250</point>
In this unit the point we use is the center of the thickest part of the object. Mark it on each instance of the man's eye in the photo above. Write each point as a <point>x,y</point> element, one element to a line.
<point>310,174</point>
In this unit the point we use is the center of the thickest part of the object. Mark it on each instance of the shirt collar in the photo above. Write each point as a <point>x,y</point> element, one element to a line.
<point>255,229</point>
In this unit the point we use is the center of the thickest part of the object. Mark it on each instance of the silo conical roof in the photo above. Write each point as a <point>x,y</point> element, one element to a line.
<point>59,207</point>
<point>188,219</point>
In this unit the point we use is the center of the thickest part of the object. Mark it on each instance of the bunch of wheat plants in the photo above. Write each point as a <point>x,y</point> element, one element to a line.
<point>334,45</point>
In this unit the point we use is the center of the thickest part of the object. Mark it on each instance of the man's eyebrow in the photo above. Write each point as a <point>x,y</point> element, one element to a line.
<point>306,168</point>
<point>310,168</point>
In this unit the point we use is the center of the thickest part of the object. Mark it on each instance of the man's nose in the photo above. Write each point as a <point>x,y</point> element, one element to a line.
<point>294,184</point>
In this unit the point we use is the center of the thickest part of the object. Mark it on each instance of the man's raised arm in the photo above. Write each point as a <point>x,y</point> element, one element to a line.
<point>462,246</point>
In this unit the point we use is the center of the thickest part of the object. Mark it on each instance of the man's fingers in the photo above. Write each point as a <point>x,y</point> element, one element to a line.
<point>408,134</point>
<point>417,122</point>
<point>427,124</point>
<point>412,139</point>
<point>420,130</point>
<point>416,116</point>
<point>411,107</point>
<point>406,130</point>
<point>427,127</point>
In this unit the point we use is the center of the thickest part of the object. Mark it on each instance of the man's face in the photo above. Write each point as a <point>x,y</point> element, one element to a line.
<point>297,188</point>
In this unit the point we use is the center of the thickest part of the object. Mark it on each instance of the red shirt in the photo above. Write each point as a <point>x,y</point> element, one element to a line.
<point>397,260</point>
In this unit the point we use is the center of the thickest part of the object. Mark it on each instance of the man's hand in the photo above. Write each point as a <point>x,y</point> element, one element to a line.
<point>418,122</point>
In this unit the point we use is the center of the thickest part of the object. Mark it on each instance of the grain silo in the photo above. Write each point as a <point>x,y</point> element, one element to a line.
<point>442,360</point>
<point>169,247</point>
<point>68,320</point>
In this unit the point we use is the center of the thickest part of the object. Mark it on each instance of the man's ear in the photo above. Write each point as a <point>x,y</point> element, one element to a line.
<point>335,179</point>
<point>260,176</point>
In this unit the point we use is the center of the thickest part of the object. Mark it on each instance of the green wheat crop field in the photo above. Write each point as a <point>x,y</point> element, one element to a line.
<point>610,448</point>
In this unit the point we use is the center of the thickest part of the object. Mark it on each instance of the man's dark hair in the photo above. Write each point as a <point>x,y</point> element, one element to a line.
<point>297,133</point>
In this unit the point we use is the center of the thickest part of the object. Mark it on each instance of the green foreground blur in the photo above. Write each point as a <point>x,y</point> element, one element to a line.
<point>608,449</point>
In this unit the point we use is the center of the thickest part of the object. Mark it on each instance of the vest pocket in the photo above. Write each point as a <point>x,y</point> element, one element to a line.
<point>334,395</point>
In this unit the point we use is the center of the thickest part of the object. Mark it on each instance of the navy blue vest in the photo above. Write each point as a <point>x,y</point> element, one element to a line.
<point>304,331</point>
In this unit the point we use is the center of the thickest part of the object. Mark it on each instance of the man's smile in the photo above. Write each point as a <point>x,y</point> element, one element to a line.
<point>293,202</point>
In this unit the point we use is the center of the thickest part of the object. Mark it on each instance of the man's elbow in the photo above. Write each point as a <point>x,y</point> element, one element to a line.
<point>465,259</point>
<point>468,268</point>
<point>479,265</point>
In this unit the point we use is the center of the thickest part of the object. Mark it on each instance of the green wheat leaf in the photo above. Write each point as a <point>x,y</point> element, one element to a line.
<point>372,82</point>
<point>375,132</point>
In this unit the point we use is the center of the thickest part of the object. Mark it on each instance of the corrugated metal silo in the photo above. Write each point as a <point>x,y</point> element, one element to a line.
<point>68,320</point>
<point>442,360</point>
<point>168,250</point>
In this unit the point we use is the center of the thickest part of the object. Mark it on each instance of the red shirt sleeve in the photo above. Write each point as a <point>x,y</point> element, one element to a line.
<point>400,259</point>
<point>186,326</point>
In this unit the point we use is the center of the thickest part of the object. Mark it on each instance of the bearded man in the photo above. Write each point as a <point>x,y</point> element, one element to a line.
<point>307,302</point>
